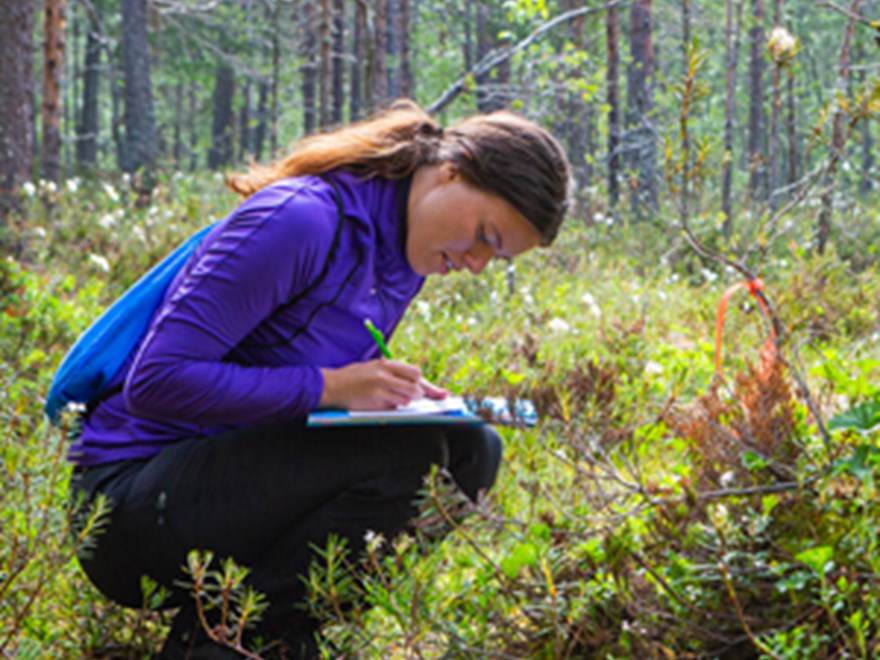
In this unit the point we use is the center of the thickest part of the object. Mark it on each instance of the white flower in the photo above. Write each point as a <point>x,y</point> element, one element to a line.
<point>728,479</point>
<point>424,309</point>
<point>139,233</point>
<point>72,185</point>
<point>653,368</point>
<point>48,186</point>
<point>111,192</point>
<point>558,326</point>
<point>28,188</point>
<point>40,232</point>
<point>591,304</point>
<point>100,262</point>
<point>710,276</point>
<point>107,221</point>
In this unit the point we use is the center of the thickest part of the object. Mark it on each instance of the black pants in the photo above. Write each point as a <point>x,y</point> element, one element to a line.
<point>264,495</point>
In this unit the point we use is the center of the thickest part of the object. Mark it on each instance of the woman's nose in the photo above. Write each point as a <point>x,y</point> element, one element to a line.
<point>476,258</point>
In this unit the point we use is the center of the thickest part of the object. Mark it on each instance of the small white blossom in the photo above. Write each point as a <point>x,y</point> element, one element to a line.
<point>528,300</point>
<point>100,262</point>
<point>72,185</point>
<point>558,326</point>
<point>710,276</point>
<point>139,233</point>
<point>424,309</point>
<point>48,186</point>
<point>107,221</point>
<point>728,479</point>
<point>111,192</point>
<point>653,368</point>
<point>588,300</point>
<point>40,232</point>
<point>29,189</point>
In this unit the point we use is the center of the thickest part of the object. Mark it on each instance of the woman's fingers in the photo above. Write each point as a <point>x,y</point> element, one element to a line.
<point>374,385</point>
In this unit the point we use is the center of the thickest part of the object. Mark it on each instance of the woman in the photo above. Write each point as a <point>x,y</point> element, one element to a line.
<point>205,446</point>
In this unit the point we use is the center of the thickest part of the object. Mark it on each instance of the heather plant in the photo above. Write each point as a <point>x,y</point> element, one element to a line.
<point>657,509</point>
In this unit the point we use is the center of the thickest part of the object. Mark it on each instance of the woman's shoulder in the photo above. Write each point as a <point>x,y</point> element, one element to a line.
<point>302,207</point>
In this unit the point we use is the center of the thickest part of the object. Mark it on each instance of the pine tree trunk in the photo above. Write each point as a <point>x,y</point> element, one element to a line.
<point>220,153</point>
<point>791,129</point>
<point>54,28</point>
<point>262,111</point>
<point>177,149</point>
<point>757,166</point>
<point>407,86</point>
<point>484,45</point>
<point>358,50</point>
<point>325,65</point>
<point>613,59</point>
<point>87,131</point>
<point>641,139</point>
<point>245,132</point>
<point>309,70</point>
<point>379,74</point>
<point>865,184</point>
<point>732,31</point>
<point>837,136</point>
<point>140,122</point>
<point>338,60</point>
<point>393,44</point>
<point>16,89</point>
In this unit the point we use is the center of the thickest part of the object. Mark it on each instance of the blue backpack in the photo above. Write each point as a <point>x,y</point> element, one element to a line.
<point>94,361</point>
<point>97,356</point>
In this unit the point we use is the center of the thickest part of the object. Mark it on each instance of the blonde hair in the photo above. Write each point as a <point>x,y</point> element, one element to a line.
<point>500,153</point>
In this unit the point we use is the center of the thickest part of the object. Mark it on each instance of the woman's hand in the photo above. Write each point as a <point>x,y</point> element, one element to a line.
<point>375,385</point>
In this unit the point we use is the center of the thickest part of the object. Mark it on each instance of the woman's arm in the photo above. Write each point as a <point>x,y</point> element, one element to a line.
<point>271,249</point>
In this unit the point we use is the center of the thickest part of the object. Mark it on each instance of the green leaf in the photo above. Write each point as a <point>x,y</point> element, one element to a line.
<point>523,555</point>
<point>863,417</point>
<point>753,462</point>
<point>816,558</point>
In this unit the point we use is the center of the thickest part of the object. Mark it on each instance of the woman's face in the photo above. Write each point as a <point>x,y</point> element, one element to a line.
<point>453,226</point>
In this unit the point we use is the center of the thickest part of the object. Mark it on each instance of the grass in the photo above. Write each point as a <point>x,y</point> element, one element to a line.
<point>656,510</point>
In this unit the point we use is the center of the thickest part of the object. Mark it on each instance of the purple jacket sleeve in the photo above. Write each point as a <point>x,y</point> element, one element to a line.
<point>268,251</point>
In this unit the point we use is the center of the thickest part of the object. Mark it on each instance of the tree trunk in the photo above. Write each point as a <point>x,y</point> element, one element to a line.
<point>16,89</point>
<point>611,42</point>
<point>276,74</point>
<point>338,60</point>
<point>177,148</point>
<point>140,122</point>
<point>260,132</point>
<point>192,126</point>
<point>775,112</point>
<point>54,27</point>
<point>309,70</point>
<point>732,32</point>
<point>393,44</point>
<point>407,86</point>
<point>325,66</point>
<point>245,132</point>
<point>379,73</point>
<point>837,135</point>
<point>758,174</point>
<point>220,153</point>
<point>89,119</point>
<point>641,133</point>
<point>865,184</point>
<point>358,50</point>
<point>791,129</point>
<point>484,45</point>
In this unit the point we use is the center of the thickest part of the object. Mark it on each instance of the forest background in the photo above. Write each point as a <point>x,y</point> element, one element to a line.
<point>697,486</point>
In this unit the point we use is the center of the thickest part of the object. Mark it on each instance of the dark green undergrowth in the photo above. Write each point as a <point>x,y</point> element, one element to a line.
<point>657,510</point>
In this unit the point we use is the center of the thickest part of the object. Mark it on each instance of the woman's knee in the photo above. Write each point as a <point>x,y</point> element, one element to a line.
<point>474,458</point>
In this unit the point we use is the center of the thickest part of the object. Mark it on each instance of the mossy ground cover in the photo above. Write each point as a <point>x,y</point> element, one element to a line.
<point>658,509</point>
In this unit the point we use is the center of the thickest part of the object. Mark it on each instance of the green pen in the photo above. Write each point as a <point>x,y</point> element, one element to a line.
<point>378,338</point>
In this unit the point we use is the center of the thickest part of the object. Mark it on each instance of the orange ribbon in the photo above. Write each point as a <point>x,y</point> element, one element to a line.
<point>768,353</point>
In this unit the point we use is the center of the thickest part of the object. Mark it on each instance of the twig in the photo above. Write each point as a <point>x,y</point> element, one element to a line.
<point>757,643</point>
<point>497,57</point>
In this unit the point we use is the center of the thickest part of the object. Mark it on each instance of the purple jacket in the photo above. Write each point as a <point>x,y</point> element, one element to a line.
<point>242,332</point>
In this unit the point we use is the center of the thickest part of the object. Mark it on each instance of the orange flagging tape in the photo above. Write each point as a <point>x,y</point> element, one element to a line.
<point>768,353</point>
